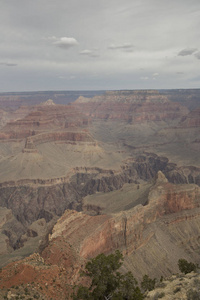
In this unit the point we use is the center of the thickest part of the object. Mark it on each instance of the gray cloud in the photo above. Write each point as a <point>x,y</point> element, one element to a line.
<point>89,53</point>
<point>128,40</point>
<point>122,46</point>
<point>8,64</point>
<point>187,51</point>
<point>197,55</point>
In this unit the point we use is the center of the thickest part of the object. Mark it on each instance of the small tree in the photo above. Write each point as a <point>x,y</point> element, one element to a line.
<point>128,289</point>
<point>106,282</point>
<point>147,283</point>
<point>186,267</point>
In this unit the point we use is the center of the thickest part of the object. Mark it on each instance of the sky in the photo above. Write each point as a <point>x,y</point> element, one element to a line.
<point>99,45</point>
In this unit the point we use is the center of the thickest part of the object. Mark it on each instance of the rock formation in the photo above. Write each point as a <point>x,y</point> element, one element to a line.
<point>133,107</point>
<point>53,156</point>
<point>192,119</point>
<point>31,200</point>
<point>44,118</point>
<point>143,233</point>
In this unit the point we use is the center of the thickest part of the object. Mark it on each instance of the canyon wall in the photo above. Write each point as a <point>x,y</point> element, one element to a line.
<point>31,200</point>
<point>131,106</point>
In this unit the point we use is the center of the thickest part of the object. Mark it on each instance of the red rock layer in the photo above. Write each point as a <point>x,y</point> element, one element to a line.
<point>91,235</point>
<point>44,118</point>
<point>78,236</point>
<point>135,106</point>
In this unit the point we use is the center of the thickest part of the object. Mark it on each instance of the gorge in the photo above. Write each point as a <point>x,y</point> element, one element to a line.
<point>116,170</point>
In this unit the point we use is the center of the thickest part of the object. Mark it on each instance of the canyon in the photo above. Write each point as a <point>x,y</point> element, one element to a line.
<point>111,170</point>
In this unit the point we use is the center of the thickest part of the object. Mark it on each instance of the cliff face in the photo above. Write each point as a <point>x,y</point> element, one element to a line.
<point>54,195</point>
<point>135,231</point>
<point>8,116</point>
<point>106,137</point>
<point>67,137</point>
<point>42,119</point>
<point>132,107</point>
<point>124,230</point>
<point>192,119</point>
<point>31,200</point>
<point>151,238</point>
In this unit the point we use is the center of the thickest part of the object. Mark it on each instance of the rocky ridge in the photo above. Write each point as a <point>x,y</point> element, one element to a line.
<point>165,222</point>
<point>132,107</point>
<point>78,236</point>
<point>125,231</point>
<point>31,200</point>
<point>44,118</point>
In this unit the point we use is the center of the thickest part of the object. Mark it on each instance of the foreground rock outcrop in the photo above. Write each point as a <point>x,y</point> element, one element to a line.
<point>132,230</point>
<point>152,238</point>
<point>177,287</point>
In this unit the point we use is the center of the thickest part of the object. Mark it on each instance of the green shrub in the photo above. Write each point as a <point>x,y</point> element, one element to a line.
<point>147,283</point>
<point>186,267</point>
<point>106,281</point>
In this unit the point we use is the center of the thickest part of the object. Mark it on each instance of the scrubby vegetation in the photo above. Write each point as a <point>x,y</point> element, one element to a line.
<point>186,267</point>
<point>107,282</point>
<point>147,283</point>
<point>102,280</point>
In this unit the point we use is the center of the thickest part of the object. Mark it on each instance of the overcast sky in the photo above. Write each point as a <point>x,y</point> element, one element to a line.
<point>95,45</point>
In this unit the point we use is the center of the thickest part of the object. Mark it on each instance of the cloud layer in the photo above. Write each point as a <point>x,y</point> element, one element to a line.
<point>187,51</point>
<point>103,44</point>
<point>66,42</point>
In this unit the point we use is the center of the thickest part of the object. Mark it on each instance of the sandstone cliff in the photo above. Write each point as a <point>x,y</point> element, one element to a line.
<point>31,200</point>
<point>152,238</point>
<point>52,156</point>
<point>135,231</point>
<point>131,106</point>
<point>44,118</point>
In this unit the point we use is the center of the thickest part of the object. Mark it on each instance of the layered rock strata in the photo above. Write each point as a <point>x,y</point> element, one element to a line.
<point>131,106</point>
<point>44,118</point>
<point>133,231</point>
<point>31,200</point>
<point>151,233</point>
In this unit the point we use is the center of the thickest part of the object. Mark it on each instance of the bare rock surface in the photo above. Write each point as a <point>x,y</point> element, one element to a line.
<point>152,238</point>
<point>121,170</point>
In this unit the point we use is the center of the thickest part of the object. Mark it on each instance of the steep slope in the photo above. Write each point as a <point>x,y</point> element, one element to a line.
<point>145,234</point>
<point>152,238</point>
<point>99,155</point>
<point>146,120</point>
<point>187,97</point>
<point>49,141</point>
<point>44,118</point>
<point>192,119</point>
<point>131,106</point>
<point>33,199</point>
